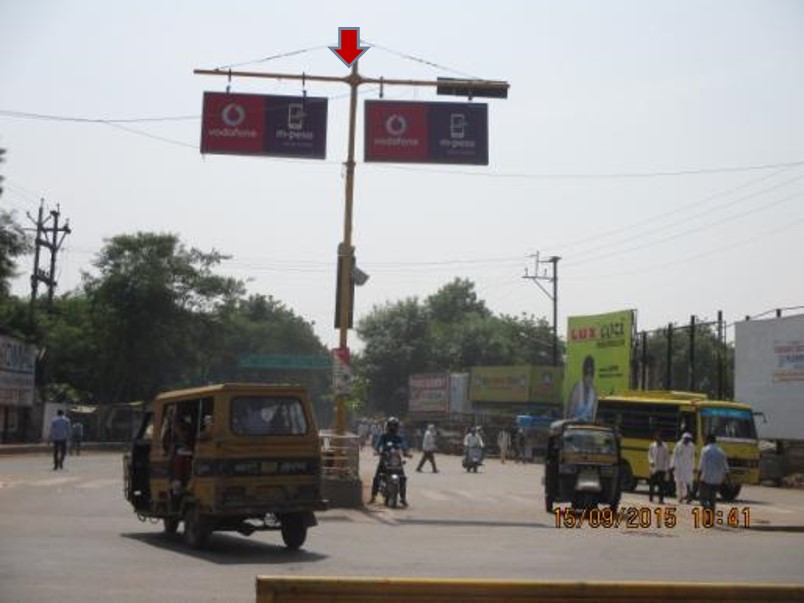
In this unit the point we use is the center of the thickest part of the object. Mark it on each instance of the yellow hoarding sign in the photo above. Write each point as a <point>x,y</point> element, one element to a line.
<point>598,360</point>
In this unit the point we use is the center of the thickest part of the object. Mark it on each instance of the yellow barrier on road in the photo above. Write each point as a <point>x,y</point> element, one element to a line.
<point>281,589</point>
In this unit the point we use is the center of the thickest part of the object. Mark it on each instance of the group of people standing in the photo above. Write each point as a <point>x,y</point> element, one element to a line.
<point>713,469</point>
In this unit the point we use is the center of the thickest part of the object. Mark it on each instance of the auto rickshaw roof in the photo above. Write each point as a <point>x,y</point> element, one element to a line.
<point>253,388</point>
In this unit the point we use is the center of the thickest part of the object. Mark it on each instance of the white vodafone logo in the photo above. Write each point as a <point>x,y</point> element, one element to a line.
<point>396,125</point>
<point>233,115</point>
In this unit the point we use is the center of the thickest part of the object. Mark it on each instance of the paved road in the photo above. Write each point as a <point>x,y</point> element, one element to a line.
<point>69,537</point>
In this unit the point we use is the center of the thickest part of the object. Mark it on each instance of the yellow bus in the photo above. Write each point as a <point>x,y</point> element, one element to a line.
<point>638,415</point>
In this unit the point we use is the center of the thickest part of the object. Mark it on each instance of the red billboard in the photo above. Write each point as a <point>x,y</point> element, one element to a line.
<point>257,124</point>
<point>420,132</point>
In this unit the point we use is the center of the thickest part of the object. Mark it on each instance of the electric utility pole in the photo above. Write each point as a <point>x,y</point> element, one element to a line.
<point>536,277</point>
<point>50,236</point>
<point>345,250</point>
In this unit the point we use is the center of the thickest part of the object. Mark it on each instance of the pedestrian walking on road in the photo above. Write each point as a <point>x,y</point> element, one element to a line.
<point>428,448</point>
<point>519,445</point>
<point>659,461</point>
<point>503,443</point>
<point>682,464</point>
<point>713,471</point>
<point>60,431</point>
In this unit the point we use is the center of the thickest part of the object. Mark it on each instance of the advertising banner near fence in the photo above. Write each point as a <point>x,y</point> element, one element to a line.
<point>17,366</point>
<point>429,394</point>
<point>598,360</point>
<point>769,374</point>
<point>519,383</point>
<point>258,124</point>
<point>500,383</point>
<point>422,132</point>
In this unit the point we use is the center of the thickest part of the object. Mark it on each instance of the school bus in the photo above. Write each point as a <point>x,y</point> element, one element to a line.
<point>638,415</point>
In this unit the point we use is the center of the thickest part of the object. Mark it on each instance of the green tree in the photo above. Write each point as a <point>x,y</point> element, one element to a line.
<point>151,301</point>
<point>452,330</point>
<point>14,242</point>
<point>398,343</point>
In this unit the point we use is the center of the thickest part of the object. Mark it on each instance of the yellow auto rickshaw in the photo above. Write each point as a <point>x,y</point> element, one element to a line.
<point>582,465</point>
<point>229,457</point>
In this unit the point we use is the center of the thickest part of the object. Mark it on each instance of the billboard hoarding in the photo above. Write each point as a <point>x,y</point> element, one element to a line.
<point>17,372</point>
<point>598,360</point>
<point>769,374</point>
<point>520,383</point>
<point>258,124</point>
<point>422,132</point>
<point>429,394</point>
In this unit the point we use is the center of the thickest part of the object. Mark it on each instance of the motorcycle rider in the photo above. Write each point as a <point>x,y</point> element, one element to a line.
<point>390,437</point>
<point>472,442</point>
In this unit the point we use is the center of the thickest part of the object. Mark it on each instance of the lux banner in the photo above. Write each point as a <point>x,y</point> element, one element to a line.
<point>598,360</point>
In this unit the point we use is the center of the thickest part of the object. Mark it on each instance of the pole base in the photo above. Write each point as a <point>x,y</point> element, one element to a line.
<point>342,493</point>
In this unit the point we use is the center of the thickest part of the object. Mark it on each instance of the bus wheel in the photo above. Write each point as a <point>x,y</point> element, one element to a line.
<point>294,531</point>
<point>729,493</point>
<point>627,480</point>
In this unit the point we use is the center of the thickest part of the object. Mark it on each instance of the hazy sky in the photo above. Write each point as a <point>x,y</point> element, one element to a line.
<point>656,147</point>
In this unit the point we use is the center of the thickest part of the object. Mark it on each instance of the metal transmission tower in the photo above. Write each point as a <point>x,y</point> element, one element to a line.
<point>536,277</point>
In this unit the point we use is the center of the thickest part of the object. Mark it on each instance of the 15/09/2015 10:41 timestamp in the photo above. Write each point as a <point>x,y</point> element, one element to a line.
<point>650,517</point>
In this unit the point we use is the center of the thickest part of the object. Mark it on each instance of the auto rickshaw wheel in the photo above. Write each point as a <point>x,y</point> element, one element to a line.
<point>196,529</point>
<point>294,531</point>
<point>170,525</point>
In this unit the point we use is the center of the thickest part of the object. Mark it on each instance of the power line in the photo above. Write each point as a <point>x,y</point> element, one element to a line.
<point>664,227</point>
<point>688,232</point>
<point>600,176</point>
<point>388,166</point>
<point>697,203</point>
<point>694,257</point>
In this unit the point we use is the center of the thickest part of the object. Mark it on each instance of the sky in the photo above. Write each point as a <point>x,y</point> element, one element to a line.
<point>656,147</point>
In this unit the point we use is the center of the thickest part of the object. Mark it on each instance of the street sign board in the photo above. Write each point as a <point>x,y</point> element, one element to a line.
<point>422,132</point>
<point>284,361</point>
<point>257,124</point>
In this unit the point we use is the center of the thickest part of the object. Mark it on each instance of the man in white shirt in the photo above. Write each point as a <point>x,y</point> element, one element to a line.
<point>659,461</point>
<point>683,465</point>
<point>428,448</point>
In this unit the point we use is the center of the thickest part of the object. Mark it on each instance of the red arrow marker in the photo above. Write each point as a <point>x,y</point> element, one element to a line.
<point>349,49</point>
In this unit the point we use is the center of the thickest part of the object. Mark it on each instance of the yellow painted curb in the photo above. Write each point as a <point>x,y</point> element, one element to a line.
<point>282,589</point>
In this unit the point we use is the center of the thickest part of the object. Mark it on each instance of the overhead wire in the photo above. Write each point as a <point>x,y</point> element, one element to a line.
<point>697,256</point>
<point>665,226</point>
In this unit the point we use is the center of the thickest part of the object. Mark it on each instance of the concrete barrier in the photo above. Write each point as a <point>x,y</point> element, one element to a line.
<point>282,589</point>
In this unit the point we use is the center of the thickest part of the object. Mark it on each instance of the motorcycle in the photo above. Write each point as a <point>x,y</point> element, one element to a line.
<point>391,473</point>
<point>473,458</point>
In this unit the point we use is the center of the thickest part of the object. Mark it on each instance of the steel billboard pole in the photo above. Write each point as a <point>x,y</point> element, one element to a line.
<point>345,249</point>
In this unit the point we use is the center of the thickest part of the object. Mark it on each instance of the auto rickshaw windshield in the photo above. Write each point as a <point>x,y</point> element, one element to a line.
<point>589,441</point>
<point>268,415</point>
